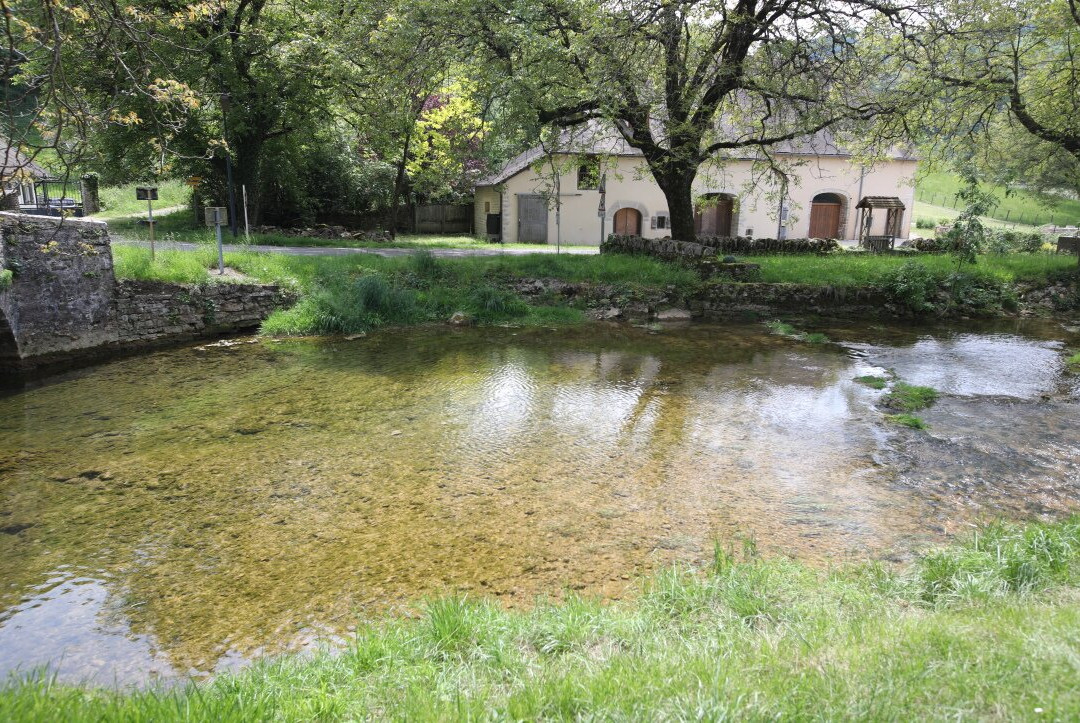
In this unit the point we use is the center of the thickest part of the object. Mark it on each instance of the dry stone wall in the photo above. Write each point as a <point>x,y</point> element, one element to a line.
<point>711,246</point>
<point>151,311</point>
<point>61,296</point>
<point>64,303</point>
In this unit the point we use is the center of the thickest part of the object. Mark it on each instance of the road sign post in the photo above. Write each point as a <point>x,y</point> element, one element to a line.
<point>217,216</point>
<point>148,194</point>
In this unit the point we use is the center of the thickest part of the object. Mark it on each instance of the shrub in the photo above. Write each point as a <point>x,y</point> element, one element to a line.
<point>910,286</point>
<point>5,279</point>
<point>923,222</point>
<point>929,245</point>
<point>424,264</point>
<point>492,303</point>
<point>1010,241</point>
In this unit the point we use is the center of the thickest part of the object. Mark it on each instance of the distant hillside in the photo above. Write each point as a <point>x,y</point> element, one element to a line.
<point>1014,205</point>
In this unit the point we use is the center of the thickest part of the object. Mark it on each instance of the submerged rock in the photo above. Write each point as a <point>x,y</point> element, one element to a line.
<point>460,318</point>
<point>673,315</point>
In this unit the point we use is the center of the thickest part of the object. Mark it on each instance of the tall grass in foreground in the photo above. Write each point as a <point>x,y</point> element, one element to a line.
<point>989,628</point>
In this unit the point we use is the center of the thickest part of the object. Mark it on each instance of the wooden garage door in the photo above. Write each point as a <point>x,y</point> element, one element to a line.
<point>627,222</point>
<point>824,220</point>
<point>714,219</point>
<point>532,219</point>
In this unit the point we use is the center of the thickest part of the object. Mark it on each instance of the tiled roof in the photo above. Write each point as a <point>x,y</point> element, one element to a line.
<point>880,202</point>
<point>600,139</point>
<point>13,161</point>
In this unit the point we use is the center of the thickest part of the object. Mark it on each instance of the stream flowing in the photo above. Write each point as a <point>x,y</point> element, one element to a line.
<point>187,511</point>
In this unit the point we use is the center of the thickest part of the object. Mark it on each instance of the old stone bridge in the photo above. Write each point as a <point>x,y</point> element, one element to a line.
<point>61,302</point>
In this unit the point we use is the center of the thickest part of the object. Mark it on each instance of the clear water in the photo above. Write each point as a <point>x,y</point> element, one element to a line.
<point>184,512</point>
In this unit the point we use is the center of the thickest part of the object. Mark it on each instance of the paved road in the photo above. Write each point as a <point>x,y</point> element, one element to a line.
<point>334,251</point>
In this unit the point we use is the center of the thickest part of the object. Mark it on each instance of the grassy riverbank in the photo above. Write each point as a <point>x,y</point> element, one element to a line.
<point>354,293</point>
<point>986,628</point>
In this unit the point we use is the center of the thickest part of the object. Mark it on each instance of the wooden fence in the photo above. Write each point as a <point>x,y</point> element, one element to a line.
<point>443,218</point>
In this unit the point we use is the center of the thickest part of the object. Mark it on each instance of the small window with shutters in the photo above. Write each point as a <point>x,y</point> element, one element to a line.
<point>661,221</point>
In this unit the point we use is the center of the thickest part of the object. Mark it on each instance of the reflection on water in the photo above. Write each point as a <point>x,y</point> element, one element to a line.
<point>182,512</point>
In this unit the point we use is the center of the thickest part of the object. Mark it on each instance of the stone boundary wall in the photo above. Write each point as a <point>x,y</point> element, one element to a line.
<point>719,300</point>
<point>153,311</point>
<point>660,248</point>
<point>669,249</point>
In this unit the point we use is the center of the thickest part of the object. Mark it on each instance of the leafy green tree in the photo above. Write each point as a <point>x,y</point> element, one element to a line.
<point>691,82</point>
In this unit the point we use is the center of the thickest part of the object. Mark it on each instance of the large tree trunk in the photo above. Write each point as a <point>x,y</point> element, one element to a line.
<point>677,188</point>
<point>399,184</point>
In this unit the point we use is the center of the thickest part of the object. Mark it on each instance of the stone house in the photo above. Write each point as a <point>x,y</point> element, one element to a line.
<point>820,198</point>
<point>19,176</point>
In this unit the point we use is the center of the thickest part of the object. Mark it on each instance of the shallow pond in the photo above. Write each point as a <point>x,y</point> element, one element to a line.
<point>183,512</point>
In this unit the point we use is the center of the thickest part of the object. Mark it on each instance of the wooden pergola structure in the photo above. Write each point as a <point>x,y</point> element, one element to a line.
<point>894,219</point>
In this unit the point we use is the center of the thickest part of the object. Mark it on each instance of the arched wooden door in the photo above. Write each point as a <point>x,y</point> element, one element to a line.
<point>825,211</point>
<point>627,222</point>
<point>714,217</point>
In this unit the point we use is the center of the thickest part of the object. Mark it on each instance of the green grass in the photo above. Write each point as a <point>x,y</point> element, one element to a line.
<point>1074,360</point>
<point>119,201</point>
<point>909,397</point>
<point>785,329</point>
<point>350,294</point>
<point>851,269</point>
<point>1014,205</point>
<point>988,628</point>
<point>872,381</point>
<point>938,214</point>
<point>180,267</point>
<point>907,420</point>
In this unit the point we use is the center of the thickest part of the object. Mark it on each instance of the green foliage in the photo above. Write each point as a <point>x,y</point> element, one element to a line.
<point>998,561</point>
<point>1009,241</point>
<point>1074,360</point>
<point>782,328</point>
<point>120,200</point>
<point>907,420</point>
<point>910,398</point>
<point>749,638</point>
<point>967,236</point>
<point>872,381</point>
<point>6,276</point>
<point>785,329</point>
<point>850,269</point>
<point>911,286</point>
<point>924,222</point>
<point>1012,202</point>
<point>180,267</point>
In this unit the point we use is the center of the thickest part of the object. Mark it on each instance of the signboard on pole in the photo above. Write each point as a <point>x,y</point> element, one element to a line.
<point>217,216</point>
<point>146,193</point>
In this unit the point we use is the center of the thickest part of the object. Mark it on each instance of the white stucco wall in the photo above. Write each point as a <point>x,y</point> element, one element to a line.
<point>630,184</point>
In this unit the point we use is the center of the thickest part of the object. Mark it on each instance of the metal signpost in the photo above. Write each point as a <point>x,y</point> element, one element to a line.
<point>217,217</point>
<point>148,194</point>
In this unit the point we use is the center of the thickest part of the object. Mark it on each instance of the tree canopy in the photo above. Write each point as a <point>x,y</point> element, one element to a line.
<point>327,108</point>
